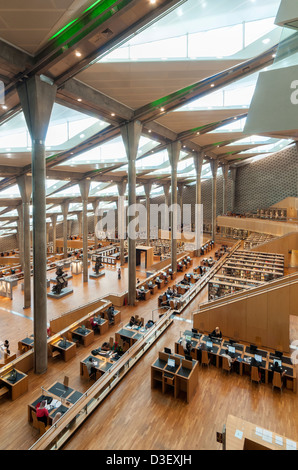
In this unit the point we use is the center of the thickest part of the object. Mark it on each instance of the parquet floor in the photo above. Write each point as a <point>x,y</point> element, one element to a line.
<point>135,417</point>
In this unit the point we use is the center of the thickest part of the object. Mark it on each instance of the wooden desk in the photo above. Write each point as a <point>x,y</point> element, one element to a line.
<point>56,391</point>
<point>17,387</point>
<point>67,352</point>
<point>100,364</point>
<point>242,435</point>
<point>7,359</point>
<point>184,378</point>
<point>26,344</point>
<point>85,336</point>
<point>129,335</point>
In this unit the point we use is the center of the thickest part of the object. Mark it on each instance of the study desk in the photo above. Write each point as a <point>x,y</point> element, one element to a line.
<point>144,294</point>
<point>83,335</point>
<point>26,344</point>
<point>183,378</point>
<point>101,323</point>
<point>67,349</point>
<point>129,335</point>
<point>153,288</point>
<point>243,357</point>
<point>55,395</point>
<point>7,358</point>
<point>16,387</point>
<point>100,365</point>
<point>242,435</point>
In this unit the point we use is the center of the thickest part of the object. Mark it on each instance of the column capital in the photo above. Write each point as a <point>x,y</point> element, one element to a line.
<point>84,186</point>
<point>131,134</point>
<point>147,189</point>
<point>225,170</point>
<point>122,187</point>
<point>214,167</point>
<point>198,159</point>
<point>25,187</point>
<point>174,152</point>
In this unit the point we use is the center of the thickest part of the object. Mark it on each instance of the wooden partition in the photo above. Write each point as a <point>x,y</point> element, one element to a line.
<point>62,322</point>
<point>260,316</point>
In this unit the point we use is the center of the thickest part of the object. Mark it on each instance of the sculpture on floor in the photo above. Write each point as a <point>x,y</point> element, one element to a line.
<point>61,281</point>
<point>98,265</point>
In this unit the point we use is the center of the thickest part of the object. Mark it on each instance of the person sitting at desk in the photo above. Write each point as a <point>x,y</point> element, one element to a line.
<point>175,292</point>
<point>169,292</point>
<point>230,359</point>
<point>110,313</point>
<point>216,333</point>
<point>186,346</point>
<point>90,365</point>
<point>277,368</point>
<point>132,321</point>
<point>141,293</point>
<point>94,324</point>
<point>186,279</point>
<point>149,324</point>
<point>41,412</point>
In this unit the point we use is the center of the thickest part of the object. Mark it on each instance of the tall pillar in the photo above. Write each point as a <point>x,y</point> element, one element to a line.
<point>180,200</point>
<point>198,163</point>
<point>147,188</point>
<point>165,225</point>
<point>25,187</point>
<point>174,152</point>
<point>64,208</point>
<point>225,172</point>
<point>69,226</point>
<point>233,192</point>
<point>37,98</point>
<point>95,208</point>
<point>80,223</point>
<point>54,231</point>
<point>131,134</point>
<point>21,234</point>
<point>84,189</point>
<point>121,218</point>
<point>214,167</point>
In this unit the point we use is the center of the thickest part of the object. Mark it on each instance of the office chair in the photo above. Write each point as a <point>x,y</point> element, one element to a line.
<point>225,365</point>
<point>205,358</point>
<point>277,382</point>
<point>66,381</point>
<point>254,376</point>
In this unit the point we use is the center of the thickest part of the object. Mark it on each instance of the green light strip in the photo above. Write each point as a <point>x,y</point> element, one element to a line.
<point>91,6</point>
<point>63,29</point>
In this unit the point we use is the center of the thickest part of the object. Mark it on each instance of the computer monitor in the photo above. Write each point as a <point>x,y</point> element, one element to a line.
<point>253,348</point>
<point>258,358</point>
<point>278,354</point>
<point>188,338</point>
<point>231,349</point>
<point>171,362</point>
<point>232,341</point>
<point>194,330</point>
<point>277,362</point>
<point>188,358</point>
<point>168,351</point>
<point>209,344</point>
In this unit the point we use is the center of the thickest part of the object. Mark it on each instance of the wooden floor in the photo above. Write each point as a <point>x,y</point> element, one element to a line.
<point>135,417</point>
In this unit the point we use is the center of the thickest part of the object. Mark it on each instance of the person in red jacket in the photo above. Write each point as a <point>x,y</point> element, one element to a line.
<point>41,412</point>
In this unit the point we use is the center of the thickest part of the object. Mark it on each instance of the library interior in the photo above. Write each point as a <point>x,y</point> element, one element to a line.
<point>148,225</point>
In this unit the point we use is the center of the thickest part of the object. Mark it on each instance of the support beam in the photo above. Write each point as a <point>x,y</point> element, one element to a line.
<point>225,173</point>
<point>37,98</point>
<point>131,134</point>
<point>174,152</point>
<point>95,208</point>
<point>64,208</point>
<point>84,189</point>
<point>147,188</point>
<point>165,224</point>
<point>25,188</point>
<point>121,218</point>
<point>214,168</point>
<point>54,231</point>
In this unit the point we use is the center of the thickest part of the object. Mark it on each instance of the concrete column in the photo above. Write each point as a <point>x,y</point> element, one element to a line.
<point>37,99</point>
<point>233,192</point>
<point>180,200</point>
<point>131,134</point>
<point>225,172</point>
<point>21,234</point>
<point>25,187</point>
<point>69,227</point>
<point>165,224</point>
<point>174,152</point>
<point>80,223</point>
<point>198,162</point>
<point>147,188</point>
<point>214,167</point>
<point>64,208</point>
<point>84,188</point>
<point>121,218</point>
<point>95,208</point>
<point>54,231</point>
